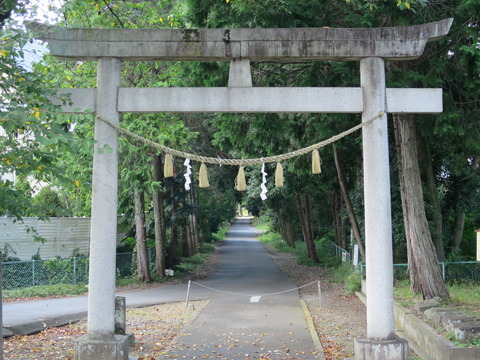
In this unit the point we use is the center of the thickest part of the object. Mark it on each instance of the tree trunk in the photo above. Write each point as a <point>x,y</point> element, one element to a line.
<point>342,227</point>
<point>194,221</point>
<point>340,235</point>
<point>425,273</point>
<point>311,239</point>
<point>170,261</point>
<point>285,228</point>
<point>458,230</point>
<point>301,216</point>
<point>159,217</point>
<point>348,204</point>
<point>143,267</point>
<point>303,204</point>
<point>189,237</point>
<point>335,217</point>
<point>185,239</point>
<point>431,195</point>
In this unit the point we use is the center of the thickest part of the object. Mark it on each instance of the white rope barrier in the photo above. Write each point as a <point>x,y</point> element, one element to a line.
<point>253,297</point>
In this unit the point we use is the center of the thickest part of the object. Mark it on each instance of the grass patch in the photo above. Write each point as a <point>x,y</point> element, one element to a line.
<point>262,223</point>
<point>45,291</point>
<point>127,282</point>
<point>190,264</point>
<point>403,293</point>
<point>274,239</point>
<point>463,296</point>
<point>221,234</point>
<point>207,248</point>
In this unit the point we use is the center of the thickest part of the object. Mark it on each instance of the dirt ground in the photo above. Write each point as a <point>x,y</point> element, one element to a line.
<point>338,319</point>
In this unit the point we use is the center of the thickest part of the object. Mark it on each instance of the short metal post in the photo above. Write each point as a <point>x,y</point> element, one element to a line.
<point>319,294</point>
<point>188,293</point>
<point>74,270</point>
<point>33,272</point>
<point>443,270</point>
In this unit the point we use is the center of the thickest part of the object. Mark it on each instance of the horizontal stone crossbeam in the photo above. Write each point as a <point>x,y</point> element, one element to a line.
<point>278,45</point>
<point>254,100</point>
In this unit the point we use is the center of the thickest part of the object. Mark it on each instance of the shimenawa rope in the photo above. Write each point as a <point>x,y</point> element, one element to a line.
<point>239,162</point>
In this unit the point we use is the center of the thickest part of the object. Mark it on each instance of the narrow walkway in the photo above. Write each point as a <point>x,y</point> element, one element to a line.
<point>241,322</point>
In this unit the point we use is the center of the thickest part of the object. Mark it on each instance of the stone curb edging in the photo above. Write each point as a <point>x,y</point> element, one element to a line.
<point>42,324</point>
<point>430,344</point>
<point>313,331</point>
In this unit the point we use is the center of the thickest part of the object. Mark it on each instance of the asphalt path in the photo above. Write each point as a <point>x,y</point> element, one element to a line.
<point>255,311</point>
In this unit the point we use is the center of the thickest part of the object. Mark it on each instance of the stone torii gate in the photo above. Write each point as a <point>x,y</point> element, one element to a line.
<point>371,47</point>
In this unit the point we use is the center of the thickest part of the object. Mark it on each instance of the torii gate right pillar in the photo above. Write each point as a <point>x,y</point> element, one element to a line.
<point>381,342</point>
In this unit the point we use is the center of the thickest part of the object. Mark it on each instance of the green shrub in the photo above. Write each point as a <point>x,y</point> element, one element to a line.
<point>353,283</point>
<point>324,253</point>
<point>271,238</point>
<point>342,272</point>
<point>347,275</point>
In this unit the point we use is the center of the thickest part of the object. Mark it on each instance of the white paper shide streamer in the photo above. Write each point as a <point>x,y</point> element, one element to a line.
<point>188,180</point>
<point>263,194</point>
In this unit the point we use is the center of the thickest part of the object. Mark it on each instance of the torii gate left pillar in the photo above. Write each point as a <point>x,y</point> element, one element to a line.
<point>100,342</point>
<point>369,46</point>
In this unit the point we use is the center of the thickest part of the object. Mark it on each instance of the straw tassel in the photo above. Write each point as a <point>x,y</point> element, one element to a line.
<point>241,184</point>
<point>203,176</point>
<point>279,175</point>
<point>168,167</point>
<point>316,162</point>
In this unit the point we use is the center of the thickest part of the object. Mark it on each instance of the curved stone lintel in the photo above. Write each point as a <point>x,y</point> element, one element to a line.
<point>301,44</point>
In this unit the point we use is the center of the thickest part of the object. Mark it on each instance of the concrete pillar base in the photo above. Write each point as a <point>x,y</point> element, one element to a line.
<point>367,349</point>
<point>115,348</point>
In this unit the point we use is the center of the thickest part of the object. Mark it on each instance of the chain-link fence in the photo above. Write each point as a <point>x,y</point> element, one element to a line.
<point>452,272</point>
<point>74,270</point>
<point>19,274</point>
